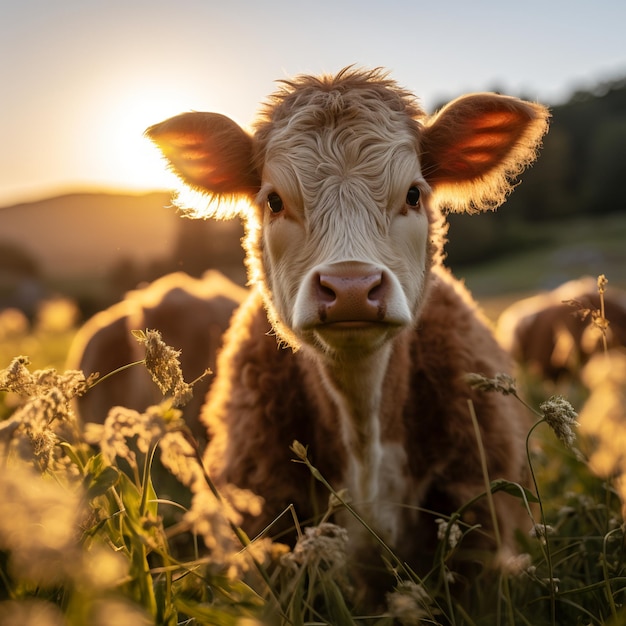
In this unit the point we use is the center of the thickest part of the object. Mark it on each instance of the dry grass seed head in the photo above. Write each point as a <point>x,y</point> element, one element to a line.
<point>410,603</point>
<point>122,424</point>
<point>181,460</point>
<point>561,417</point>
<point>164,366</point>
<point>501,383</point>
<point>326,544</point>
<point>452,530</point>
<point>45,416</point>
<point>213,519</point>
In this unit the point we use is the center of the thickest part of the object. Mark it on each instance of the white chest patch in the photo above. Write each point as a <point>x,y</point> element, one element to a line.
<point>376,472</point>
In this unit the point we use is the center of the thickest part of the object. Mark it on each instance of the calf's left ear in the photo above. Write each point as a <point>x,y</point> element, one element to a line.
<point>474,148</point>
<point>209,152</point>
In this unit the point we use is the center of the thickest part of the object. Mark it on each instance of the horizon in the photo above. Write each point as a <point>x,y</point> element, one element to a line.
<point>79,189</point>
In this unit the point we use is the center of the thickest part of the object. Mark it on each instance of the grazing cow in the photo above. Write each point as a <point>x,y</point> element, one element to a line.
<point>191,314</point>
<point>355,340</point>
<point>548,335</point>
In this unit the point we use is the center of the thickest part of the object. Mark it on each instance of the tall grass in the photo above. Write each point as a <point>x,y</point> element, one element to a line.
<point>91,533</point>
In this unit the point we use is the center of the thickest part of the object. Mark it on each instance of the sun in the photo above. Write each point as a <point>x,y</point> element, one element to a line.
<point>129,159</point>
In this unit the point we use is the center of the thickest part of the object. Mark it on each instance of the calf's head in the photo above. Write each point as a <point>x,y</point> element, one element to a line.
<point>346,176</point>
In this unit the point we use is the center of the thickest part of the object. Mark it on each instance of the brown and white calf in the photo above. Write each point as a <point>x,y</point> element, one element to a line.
<point>355,340</point>
<point>191,315</point>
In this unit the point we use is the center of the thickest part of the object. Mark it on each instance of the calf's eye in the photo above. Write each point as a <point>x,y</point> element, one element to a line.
<point>413,196</point>
<point>275,202</point>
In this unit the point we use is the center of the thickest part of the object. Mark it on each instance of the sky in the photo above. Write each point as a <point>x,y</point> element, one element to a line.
<point>80,80</point>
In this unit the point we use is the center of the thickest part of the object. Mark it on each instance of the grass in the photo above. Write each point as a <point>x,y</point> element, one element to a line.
<point>86,537</point>
<point>581,247</point>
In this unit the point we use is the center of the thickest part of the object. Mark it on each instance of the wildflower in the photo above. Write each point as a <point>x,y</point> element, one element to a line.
<point>180,458</point>
<point>322,549</point>
<point>164,367</point>
<point>518,564</point>
<point>103,568</point>
<point>119,425</point>
<point>16,377</point>
<point>541,531</point>
<point>261,550</point>
<point>117,611</point>
<point>551,582</point>
<point>299,450</point>
<point>325,544</point>
<point>451,530</point>
<point>561,417</point>
<point>409,603</point>
<point>39,522</point>
<point>122,424</point>
<point>502,383</point>
<point>32,611</point>
<point>213,518</point>
<point>45,416</point>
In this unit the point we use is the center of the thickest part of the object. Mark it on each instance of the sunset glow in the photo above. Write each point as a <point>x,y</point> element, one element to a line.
<point>86,79</point>
<point>127,155</point>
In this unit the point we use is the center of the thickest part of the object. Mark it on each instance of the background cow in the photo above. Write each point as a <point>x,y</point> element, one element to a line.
<point>191,314</point>
<point>547,334</point>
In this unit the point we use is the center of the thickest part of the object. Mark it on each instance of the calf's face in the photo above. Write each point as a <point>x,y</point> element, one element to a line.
<point>344,226</point>
<point>346,175</point>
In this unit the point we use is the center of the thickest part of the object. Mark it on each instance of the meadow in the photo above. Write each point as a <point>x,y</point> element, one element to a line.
<point>92,533</point>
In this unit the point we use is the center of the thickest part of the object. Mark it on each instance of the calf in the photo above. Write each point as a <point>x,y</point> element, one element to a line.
<point>547,334</point>
<point>191,315</point>
<point>355,340</point>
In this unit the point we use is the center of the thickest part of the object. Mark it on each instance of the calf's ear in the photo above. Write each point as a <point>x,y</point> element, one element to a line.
<point>475,147</point>
<point>209,152</point>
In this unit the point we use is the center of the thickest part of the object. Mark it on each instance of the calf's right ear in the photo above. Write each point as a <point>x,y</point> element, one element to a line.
<point>209,152</point>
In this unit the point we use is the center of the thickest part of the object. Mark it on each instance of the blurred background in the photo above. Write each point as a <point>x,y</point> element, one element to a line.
<point>85,210</point>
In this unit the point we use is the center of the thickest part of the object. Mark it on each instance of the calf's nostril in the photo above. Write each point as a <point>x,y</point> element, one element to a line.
<point>378,289</point>
<point>325,292</point>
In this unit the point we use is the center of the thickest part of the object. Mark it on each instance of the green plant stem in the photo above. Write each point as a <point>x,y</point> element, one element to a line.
<point>543,522</point>
<point>603,329</point>
<point>145,479</point>
<point>492,506</point>
<point>607,579</point>
<point>146,491</point>
<point>97,381</point>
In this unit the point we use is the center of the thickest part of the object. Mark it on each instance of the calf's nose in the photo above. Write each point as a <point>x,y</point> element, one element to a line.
<point>351,293</point>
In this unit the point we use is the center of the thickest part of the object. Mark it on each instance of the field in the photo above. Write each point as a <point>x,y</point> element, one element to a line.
<point>89,535</point>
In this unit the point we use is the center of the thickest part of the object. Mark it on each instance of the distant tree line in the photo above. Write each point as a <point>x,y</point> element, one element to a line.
<point>580,172</point>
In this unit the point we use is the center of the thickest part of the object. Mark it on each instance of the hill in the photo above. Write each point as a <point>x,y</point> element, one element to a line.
<point>86,234</point>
